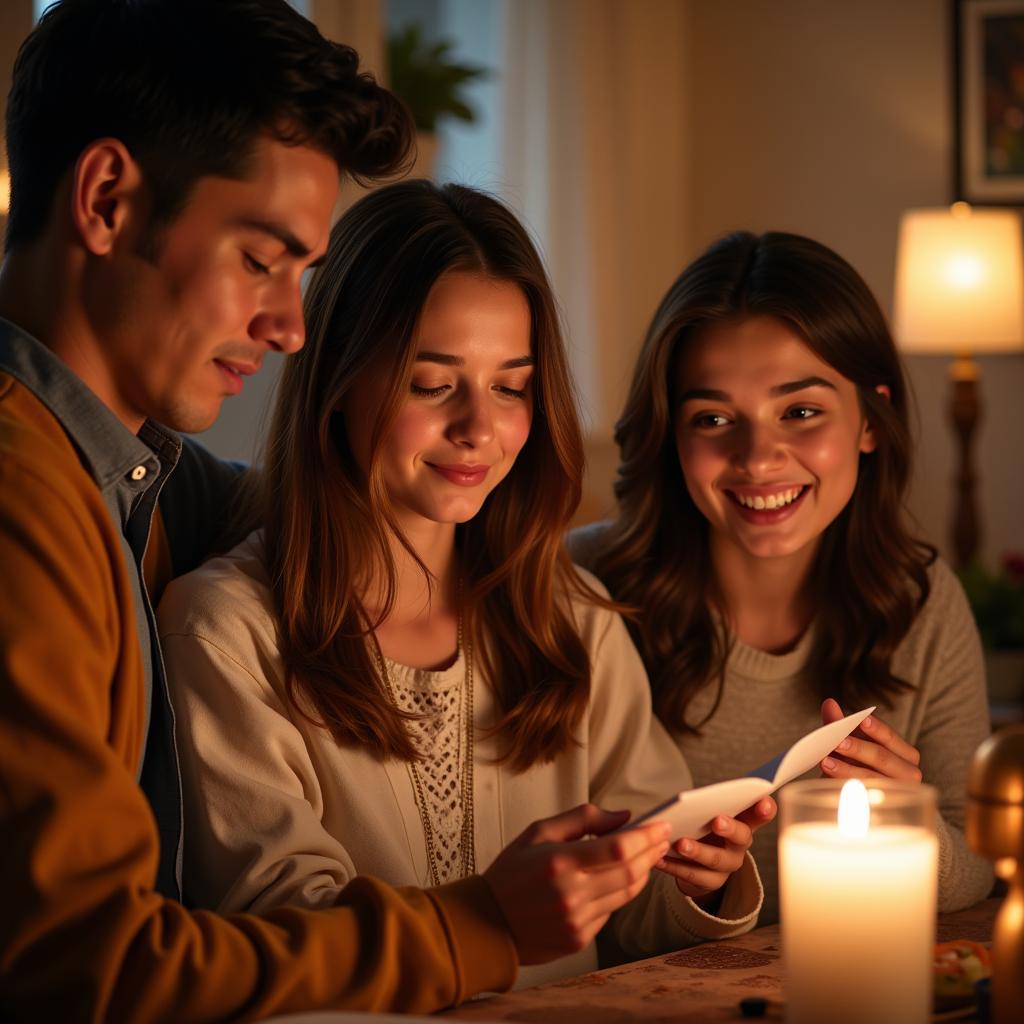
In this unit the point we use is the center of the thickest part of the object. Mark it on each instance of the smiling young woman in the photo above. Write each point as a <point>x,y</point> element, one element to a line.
<point>762,539</point>
<point>403,669</point>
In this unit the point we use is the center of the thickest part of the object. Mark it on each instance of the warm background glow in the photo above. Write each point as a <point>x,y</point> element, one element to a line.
<point>630,135</point>
<point>959,281</point>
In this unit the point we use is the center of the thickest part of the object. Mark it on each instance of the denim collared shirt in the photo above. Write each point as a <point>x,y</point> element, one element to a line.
<point>130,471</point>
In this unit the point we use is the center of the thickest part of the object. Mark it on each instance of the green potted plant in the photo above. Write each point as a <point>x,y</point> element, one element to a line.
<point>997,600</point>
<point>423,75</point>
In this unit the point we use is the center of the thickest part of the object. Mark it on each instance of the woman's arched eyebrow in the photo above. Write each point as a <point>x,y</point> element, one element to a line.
<point>446,359</point>
<point>707,394</point>
<point>714,395</point>
<point>799,385</point>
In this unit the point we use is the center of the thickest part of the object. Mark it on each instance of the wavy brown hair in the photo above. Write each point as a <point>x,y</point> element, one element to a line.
<point>655,556</point>
<point>328,525</point>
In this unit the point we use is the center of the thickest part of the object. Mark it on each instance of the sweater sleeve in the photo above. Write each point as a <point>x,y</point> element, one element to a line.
<point>83,934</point>
<point>635,765</point>
<point>950,670</point>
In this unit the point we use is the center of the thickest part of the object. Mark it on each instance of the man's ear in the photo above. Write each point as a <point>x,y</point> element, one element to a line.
<point>107,191</point>
<point>868,441</point>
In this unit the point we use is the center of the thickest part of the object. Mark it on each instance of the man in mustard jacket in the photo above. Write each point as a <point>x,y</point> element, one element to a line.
<point>174,165</point>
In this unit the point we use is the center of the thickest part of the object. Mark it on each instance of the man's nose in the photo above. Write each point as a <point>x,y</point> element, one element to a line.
<point>279,323</point>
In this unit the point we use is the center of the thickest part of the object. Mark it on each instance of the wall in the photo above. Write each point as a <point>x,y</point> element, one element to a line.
<point>829,119</point>
<point>826,117</point>
<point>15,22</point>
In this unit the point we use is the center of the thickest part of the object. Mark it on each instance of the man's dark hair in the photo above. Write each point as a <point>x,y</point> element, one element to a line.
<point>187,86</point>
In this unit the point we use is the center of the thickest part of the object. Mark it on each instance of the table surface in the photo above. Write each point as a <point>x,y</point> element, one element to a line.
<point>698,985</point>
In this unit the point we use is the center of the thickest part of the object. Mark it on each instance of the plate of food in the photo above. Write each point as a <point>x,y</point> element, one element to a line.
<point>957,966</point>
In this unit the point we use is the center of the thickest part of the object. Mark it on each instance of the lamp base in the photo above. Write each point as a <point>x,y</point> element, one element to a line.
<point>965,412</point>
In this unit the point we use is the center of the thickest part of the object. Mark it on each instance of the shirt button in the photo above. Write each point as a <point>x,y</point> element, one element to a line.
<point>139,473</point>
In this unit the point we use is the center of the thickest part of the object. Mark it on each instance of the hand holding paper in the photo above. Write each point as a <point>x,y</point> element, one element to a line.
<point>873,750</point>
<point>701,867</point>
<point>691,812</point>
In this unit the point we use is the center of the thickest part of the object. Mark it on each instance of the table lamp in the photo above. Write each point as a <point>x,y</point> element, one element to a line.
<point>960,290</point>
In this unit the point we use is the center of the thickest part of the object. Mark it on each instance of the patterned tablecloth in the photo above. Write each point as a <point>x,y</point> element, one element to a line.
<point>694,986</point>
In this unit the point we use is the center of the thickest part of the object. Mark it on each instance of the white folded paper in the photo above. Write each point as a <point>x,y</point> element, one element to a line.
<point>691,812</point>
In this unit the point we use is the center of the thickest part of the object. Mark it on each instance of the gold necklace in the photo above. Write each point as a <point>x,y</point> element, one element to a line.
<point>466,787</point>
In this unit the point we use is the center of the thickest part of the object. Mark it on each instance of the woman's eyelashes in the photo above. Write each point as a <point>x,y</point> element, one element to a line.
<point>512,391</point>
<point>425,391</point>
<point>709,420</point>
<point>705,420</point>
<point>803,412</point>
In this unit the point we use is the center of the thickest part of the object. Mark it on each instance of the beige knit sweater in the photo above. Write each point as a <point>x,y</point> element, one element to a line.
<point>278,813</point>
<point>767,705</point>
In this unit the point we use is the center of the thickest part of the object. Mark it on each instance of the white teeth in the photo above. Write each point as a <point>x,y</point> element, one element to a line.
<point>771,501</point>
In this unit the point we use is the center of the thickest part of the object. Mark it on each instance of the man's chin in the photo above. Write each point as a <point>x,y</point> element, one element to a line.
<point>191,420</point>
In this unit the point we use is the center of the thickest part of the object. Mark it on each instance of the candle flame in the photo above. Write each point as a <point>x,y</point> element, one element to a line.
<point>854,810</point>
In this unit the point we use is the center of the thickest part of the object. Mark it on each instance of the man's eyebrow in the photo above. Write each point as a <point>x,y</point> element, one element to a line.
<point>292,243</point>
<point>445,359</point>
<point>799,385</point>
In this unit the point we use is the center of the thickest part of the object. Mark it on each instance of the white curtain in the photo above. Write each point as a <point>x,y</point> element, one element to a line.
<point>595,157</point>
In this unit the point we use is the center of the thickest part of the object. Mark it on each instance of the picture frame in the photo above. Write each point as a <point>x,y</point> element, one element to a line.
<point>988,56</point>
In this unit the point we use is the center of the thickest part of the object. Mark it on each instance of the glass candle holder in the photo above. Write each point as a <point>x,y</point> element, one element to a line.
<point>858,869</point>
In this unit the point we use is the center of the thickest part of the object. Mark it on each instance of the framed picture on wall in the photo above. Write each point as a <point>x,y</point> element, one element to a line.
<point>989,89</point>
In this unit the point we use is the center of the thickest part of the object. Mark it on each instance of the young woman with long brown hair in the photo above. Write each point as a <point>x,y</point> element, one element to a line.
<point>761,538</point>
<point>402,670</point>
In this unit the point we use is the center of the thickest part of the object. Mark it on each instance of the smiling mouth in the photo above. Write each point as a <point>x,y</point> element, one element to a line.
<point>772,501</point>
<point>234,374</point>
<point>768,506</point>
<point>464,476</point>
<point>238,369</point>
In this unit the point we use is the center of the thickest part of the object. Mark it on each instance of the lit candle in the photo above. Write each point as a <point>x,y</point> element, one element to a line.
<point>858,870</point>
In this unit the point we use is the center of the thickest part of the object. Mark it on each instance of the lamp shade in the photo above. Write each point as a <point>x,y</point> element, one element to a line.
<point>959,281</point>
